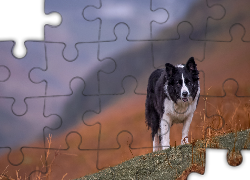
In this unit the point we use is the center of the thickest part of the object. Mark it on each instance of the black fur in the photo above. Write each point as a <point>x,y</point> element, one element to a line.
<point>172,76</point>
<point>155,99</point>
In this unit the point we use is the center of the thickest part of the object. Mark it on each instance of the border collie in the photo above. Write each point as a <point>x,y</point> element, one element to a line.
<point>172,97</point>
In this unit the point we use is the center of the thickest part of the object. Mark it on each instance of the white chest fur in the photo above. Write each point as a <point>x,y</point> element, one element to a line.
<point>178,112</point>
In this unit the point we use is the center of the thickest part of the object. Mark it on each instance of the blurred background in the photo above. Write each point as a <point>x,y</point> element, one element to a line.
<point>75,104</point>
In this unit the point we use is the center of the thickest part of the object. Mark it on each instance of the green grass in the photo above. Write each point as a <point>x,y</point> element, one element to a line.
<point>171,163</point>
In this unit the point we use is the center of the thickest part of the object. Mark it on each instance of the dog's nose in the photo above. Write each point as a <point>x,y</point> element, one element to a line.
<point>184,94</point>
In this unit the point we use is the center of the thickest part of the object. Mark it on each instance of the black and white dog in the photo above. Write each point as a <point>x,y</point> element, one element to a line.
<point>172,97</point>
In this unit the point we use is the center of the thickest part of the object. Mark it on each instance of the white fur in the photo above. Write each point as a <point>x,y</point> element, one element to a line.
<point>156,141</point>
<point>166,89</point>
<point>184,87</point>
<point>181,112</point>
<point>180,66</point>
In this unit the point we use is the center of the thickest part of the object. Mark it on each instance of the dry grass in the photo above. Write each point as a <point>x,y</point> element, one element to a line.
<point>38,175</point>
<point>236,118</point>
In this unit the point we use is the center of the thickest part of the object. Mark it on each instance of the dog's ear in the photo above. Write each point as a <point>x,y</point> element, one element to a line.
<point>170,69</point>
<point>191,67</point>
<point>191,64</point>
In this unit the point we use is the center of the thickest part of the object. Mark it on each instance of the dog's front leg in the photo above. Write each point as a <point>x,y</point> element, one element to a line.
<point>185,130</point>
<point>165,131</point>
<point>156,141</point>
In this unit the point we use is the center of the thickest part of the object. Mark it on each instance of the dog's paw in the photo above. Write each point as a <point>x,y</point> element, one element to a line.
<point>184,140</point>
<point>156,149</point>
<point>166,147</point>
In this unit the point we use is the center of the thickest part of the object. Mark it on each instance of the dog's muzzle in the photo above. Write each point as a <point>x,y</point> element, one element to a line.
<point>184,96</point>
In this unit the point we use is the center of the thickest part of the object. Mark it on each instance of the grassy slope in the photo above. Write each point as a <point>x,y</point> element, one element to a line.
<point>176,162</point>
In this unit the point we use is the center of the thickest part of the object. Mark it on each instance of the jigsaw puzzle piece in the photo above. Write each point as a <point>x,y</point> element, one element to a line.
<point>20,131</point>
<point>178,50</point>
<point>15,79</point>
<point>32,162</point>
<point>60,161</point>
<point>236,12</point>
<point>225,60</point>
<point>233,108</point>
<point>124,112</point>
<point>71,108</point>
<point>180,11</point>
<point>132,58</point>
<point>74,28</point>
<point>124,151</point>
<point>4,73</point>
<point>228,122</point>
<point>60,72</point>
<point>42,163</point>
<point>112,12</point>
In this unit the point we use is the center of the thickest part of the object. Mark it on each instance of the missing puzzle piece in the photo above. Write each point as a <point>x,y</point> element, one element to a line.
<point>24,20</point>
<point>217,168</point>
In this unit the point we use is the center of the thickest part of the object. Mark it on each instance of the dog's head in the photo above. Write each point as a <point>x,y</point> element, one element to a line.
<point>182,81</point>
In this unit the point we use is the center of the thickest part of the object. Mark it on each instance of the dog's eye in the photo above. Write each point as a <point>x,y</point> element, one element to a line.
<point>187,82</point>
